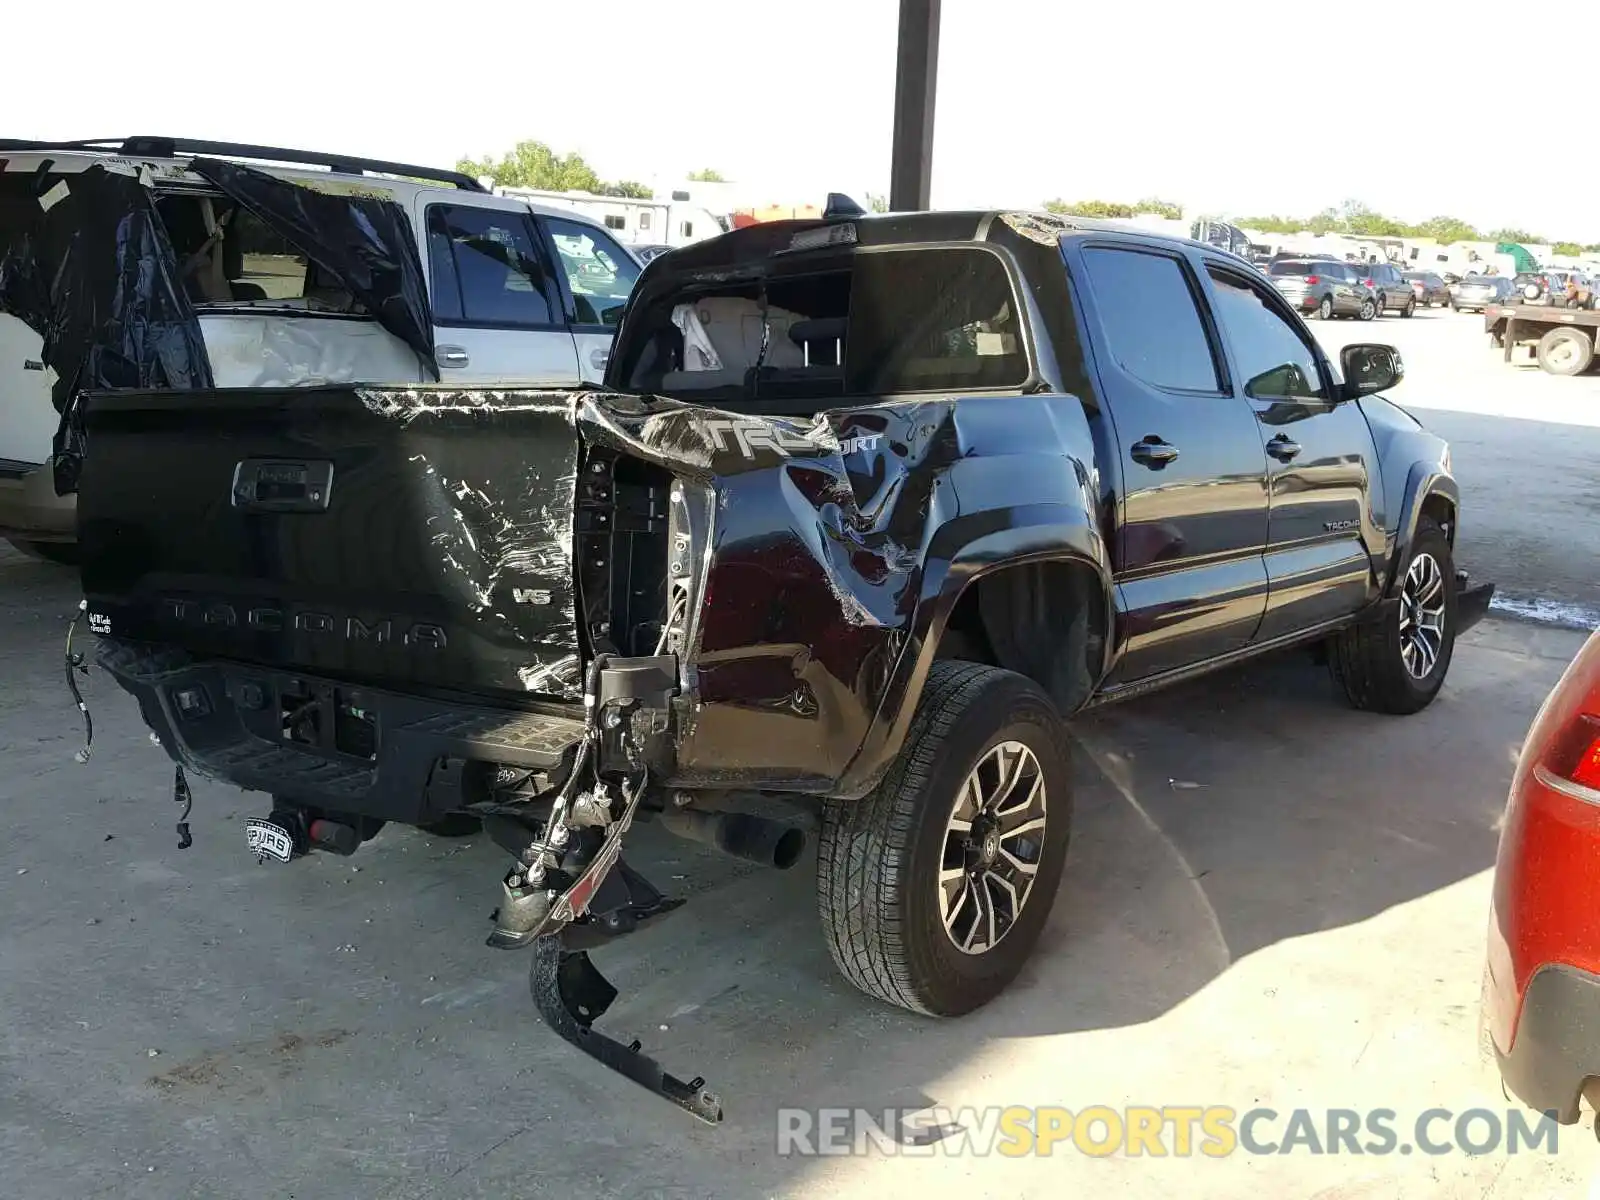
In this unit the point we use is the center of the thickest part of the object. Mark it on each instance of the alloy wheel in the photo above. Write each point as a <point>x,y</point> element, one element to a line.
<point>993,845</point>
<point>1422,616</point>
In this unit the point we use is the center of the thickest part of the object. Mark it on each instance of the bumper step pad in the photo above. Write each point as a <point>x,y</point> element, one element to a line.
<point>571,994</point>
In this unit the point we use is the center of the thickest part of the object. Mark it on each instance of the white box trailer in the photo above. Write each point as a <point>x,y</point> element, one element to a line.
<point>632,221</point>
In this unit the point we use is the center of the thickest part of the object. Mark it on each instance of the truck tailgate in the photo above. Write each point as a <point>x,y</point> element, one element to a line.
<point>323,530</point>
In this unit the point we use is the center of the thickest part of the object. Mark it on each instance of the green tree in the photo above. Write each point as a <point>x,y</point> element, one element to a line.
<point>627,188</point>
<point>1089,208</point>
<point>876,203</point>
<point>533,164</point>
<point>1513,235</point>
<point>1161,208</point>
<point>1272,224</point>
<point>1328,220</point>
<point>708,175</point>
<point>1569,249</point>
<point>1594,249</point>
<point>1446,230</point>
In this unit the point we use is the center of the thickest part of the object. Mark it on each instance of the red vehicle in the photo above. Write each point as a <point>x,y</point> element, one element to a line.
<point>1542,1001</point>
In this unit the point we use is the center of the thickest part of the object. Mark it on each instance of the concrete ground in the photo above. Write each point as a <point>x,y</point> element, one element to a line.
<point>1525,445</point>
<point>1271,901</point>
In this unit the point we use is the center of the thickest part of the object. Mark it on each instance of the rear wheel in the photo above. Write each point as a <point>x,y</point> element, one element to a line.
<point>934,888</point>
<point>64,553</point>
<point>1566,352</point>
<point>1411,307</point>
<point>1325,309</point>
<point>1369,309</point>
<point>1398,664</point>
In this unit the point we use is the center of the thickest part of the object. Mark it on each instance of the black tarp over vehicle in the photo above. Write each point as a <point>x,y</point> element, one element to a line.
<point>85,262</point>
<point>364,241</point>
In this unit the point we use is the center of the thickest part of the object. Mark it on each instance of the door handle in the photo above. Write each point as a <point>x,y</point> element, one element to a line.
<point>451,356</point>
<point>600,358</point>
<point>1283,448</point>
<point>1153,452</point>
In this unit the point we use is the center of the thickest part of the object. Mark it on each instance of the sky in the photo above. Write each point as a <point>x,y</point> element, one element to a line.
<point>1235,107</point>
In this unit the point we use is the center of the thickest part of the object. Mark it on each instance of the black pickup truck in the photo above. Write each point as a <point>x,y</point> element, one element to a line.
<point>867,507</point>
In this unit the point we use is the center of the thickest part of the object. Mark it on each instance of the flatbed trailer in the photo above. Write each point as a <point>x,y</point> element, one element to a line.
<point>1562,339</point>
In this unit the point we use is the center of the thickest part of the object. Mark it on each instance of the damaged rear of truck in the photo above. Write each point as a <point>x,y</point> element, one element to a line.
<point>837,484</point>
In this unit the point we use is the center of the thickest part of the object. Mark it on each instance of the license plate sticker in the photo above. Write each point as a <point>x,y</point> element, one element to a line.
<point>266,840</point>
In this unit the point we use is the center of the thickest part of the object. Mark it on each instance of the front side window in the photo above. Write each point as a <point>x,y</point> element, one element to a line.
<point>599,272</point>
<point>1152,326</point>
<point>1274,360</point>
<point>485,268</point>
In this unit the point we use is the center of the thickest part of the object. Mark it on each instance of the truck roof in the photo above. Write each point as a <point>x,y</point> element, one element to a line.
<point>888,229</point>
<point>167,159</point>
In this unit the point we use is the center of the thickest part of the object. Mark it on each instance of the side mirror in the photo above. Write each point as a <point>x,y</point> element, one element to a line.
<point>1370,367</point>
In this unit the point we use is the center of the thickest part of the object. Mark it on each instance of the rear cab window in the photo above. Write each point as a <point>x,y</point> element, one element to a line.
<point>821,326</point>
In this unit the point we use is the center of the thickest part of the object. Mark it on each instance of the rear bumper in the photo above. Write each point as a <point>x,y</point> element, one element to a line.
<point>1556,1045</point>
<point>371,753</point>
<point>30,508</point>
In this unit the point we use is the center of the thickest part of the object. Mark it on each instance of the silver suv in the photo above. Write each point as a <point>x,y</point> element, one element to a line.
<point>1325,287</point>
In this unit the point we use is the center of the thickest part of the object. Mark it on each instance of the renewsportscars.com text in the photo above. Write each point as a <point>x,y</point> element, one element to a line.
<point>1178,1131</point>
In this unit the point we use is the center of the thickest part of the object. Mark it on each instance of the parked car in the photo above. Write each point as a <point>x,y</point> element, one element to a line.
<point>328,271</point>
<point>1542,975</point>
<point>647,253</point>
<point>1570,288</point>
<point>1393,291</point>
<point>734,571</point>
<point>1429,288</point>
<point>1476,292</point>
<point>1325,287</point>
<point>1541,287</point>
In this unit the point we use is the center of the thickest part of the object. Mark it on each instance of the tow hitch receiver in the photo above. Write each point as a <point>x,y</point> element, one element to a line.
<point>571,994</point>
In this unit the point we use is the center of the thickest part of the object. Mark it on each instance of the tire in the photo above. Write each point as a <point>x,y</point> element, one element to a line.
<point>881,858</point>
<point>1325,309</point>
<point>63,554</point>
<point>1371,661</point>
<point>1411,307</point>
<point>1369,309</point>
<point>1566,352</point>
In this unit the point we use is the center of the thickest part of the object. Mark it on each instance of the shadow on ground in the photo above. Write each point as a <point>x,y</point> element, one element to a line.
<point>338,1027</point>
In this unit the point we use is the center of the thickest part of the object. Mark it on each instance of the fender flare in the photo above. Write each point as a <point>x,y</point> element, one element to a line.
<point>1425,479</point>
<point>961,552</point>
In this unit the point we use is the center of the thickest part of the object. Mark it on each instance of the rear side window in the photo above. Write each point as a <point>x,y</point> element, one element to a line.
<point>486,269</point>
<point>227,255</point>
<point>1152,326</point>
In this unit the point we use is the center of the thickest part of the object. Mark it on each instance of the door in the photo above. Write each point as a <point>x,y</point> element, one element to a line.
<point>1319,460</point>
<point>497,310</point>
<point>1348,290</point>
<point>1190,469</point>
<point>596,277</point>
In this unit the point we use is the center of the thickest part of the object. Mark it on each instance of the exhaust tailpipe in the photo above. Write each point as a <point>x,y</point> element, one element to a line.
<point>754,839</point>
